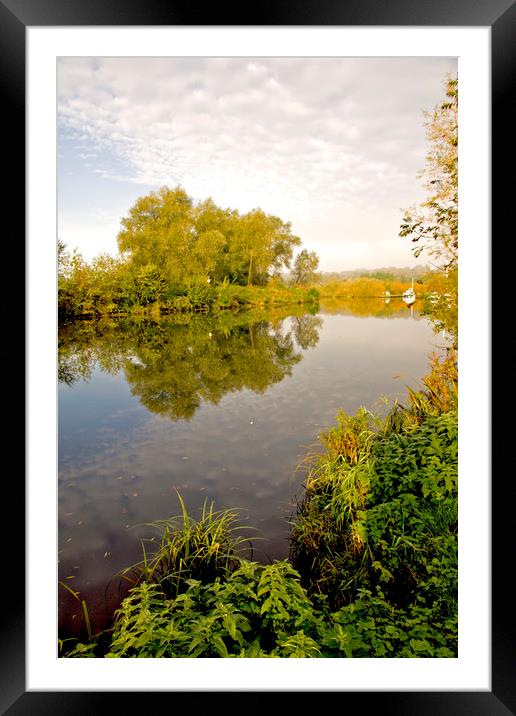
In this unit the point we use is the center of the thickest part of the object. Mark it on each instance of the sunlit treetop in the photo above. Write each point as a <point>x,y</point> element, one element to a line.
<point>189,241</point>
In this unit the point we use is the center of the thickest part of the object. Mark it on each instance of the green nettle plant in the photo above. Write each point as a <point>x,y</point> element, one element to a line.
<point>257,611</point>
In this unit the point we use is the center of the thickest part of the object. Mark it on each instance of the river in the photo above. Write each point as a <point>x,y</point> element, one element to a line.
<point>218,408</point>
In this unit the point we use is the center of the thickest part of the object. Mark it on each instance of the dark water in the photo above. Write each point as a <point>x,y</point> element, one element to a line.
<point>216,408</point>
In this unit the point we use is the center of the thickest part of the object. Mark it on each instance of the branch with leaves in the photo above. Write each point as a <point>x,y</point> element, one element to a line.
<point>434,225</point>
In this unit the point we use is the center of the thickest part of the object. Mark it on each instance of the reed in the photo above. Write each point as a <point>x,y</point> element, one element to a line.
<point>202,549</point>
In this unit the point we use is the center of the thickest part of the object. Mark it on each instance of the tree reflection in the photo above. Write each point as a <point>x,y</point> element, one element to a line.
<point>174,368</point>
<point>374,307</point>
<point>83,344</point>
<point>306,330</point>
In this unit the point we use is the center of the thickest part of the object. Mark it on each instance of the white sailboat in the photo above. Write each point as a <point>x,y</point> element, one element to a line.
<point>409,295</point>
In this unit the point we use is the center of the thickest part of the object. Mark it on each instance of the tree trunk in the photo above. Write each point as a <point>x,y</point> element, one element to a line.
<point>249,272</point>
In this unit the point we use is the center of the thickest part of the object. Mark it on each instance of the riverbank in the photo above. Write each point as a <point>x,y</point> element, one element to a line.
<point>195,299</point>
<point>381,297</point>
<point>372,569</point>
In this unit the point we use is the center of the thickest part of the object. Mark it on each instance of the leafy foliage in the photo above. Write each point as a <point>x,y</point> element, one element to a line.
<point>256,611</point>
<point>203,241</point>
<point>305,267</point>
<point>434,227</point>
<point>378,524</point>
<point>176,255</point>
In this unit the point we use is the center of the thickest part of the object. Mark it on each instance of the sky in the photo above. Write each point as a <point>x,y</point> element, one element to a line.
<point>333,145</point>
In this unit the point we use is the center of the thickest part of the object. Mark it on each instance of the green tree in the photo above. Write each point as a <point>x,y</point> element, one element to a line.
<point>74,282</point>
<point>109,280</point>
<point>214,228</point>
<point>305,267</point>
<point>262,244</point>
<point>434,225</point>
<point>159,230</point>
<point>195,243</point>
<point>208,255</point>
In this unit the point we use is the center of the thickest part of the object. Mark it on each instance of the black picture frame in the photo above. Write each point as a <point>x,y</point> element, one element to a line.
<point>500,17</point>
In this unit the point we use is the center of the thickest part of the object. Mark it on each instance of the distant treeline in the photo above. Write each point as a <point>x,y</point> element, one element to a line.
<point>375,284</point>
<point>389,273</point>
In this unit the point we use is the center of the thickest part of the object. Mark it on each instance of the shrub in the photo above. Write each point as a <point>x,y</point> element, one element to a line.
<point>201,294</point>
<point>149,284</point>
<point>182,303</point>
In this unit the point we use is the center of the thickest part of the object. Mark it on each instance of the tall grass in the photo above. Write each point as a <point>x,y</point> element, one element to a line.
<point>438,394</point>
<point>341,475</point>
<point>187,548</point>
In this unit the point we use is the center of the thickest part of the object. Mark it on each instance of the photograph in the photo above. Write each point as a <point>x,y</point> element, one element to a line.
<point>261,299</point>
<point>257,300</point>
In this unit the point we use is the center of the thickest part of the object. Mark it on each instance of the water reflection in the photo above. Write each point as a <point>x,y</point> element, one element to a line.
<point>367,307</point>
<point>444,315</point>
<point>173,367</point>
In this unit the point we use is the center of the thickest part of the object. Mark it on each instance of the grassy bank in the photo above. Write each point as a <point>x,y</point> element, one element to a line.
<point>372,570</point>
<point>426,285</point>
<point>197,298</point>
<point>376,533</point>
<point>113,291</point>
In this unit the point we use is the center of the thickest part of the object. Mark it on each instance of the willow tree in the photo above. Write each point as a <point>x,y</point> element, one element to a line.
<point>262,244</point>
<point>433,226</point>
<point>158,232</point>
<point>184,242</point>
<point>214,230</point>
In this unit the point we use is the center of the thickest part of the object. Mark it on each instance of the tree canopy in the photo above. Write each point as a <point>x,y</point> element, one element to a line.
<point>434,225</point>
<point>190,242</point>
<point>305,267</point>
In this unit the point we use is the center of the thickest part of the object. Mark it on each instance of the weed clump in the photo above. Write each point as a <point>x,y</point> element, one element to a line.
<point>203,549</point>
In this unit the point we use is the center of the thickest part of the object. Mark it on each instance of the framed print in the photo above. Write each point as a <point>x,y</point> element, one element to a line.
<point>51,52</point>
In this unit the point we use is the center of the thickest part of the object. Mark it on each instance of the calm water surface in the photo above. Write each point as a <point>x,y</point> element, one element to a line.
<point>215,408</point>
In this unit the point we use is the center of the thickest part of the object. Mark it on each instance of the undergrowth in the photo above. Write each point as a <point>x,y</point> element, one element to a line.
<point>380,513</point>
